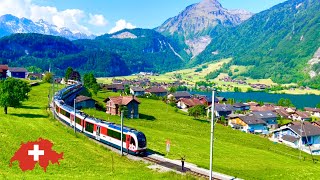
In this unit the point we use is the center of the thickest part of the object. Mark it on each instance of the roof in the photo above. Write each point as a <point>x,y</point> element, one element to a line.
<point>237,105</point>
<point>191,102</point>
<point>253,103</point>
<point>122,100</point>
<point>180,94</point>
<point>282,112</point>
<point>17,69</point>
<point>3,68</point>
<point>250,120</point>
<point>223,107</point>
<point>83,98</point>
<point>137,89</point>
<point>290,138</point>
<point>312,109</point>
<point>303,114</point>
<point>156,90</point>
<point>307,129</point>
<point>264,114</point>
<point>115,86</point>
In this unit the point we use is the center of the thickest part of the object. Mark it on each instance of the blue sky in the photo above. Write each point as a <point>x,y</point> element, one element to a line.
<point>103,16</point>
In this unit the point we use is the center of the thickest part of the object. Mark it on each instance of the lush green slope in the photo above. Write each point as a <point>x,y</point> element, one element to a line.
<point>83,159</point>
<point>278,41</point>
<point>235,153</point>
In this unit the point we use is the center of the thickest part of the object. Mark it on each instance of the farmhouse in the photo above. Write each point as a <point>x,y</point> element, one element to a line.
<point>185,103</point>
<point>84,102</point>
<point>17,72</point>
<point>241,107</point>
<point>157,91</point>
<point>299,135</point>
<point>137,91</point>
<point>267,116</point>
<point>220,110</point>
<point>114,105</point>
<point>180,94</point>
<point>248,124</point>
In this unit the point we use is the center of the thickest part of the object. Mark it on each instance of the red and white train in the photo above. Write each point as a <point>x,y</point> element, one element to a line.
<point>134,142</point>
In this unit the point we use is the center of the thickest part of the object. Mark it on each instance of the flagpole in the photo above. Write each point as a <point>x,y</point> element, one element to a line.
<point>212,134</point>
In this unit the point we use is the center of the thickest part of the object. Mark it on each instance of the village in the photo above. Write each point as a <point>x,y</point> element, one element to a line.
<point>288,125</point>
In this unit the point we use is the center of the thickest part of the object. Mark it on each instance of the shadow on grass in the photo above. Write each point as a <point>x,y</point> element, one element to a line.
<point>150,151</point>
<point>29,107</point>
<point>147,117</point>
<point>202,120</point>
<point>30,115</point>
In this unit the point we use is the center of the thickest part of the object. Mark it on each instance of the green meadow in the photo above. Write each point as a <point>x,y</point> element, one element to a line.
<point>83,158</point>
<point>235,153</point>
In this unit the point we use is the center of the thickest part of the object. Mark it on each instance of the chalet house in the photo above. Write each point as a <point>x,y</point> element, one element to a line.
<point>114,87</point>
<point>180,94</point>
<point>185,103</point>
<point>248,124</point>
<point>313,111</point>
<point>299,135</point>
<point>157,91</point>
<point>283,113</point>
<point>3,71</point>
<point>137,91</point>
<point>221,110</point>
<point>114,104</point>
<point>301,116</point>
<point>241,107</point>
<point>269,117</point>
<point>85,102</point>
<point>17,72</point>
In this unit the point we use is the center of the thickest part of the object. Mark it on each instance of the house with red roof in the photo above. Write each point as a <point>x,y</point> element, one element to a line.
<point>3,71</point>
<point>114,106</point>
<point>185,103</point>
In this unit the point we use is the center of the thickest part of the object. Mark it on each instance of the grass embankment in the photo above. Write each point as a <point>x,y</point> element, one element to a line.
<point>83,159</point>
<point>235,153</point>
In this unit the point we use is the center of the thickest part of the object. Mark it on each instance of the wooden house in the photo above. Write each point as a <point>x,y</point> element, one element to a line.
<point>17,72</point>
<point>114,106</point>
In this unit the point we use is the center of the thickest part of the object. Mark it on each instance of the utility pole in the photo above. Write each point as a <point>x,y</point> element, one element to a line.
<point>74,117</point>
<point>121,133</point>
<point>212,134</point>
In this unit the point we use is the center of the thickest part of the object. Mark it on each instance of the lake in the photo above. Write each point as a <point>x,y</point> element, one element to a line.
<point>300,101</point>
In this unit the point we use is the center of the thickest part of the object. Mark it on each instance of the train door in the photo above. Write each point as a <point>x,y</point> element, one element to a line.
<point>127,142</point>
<point>98,133</point>
<point>71,120</point>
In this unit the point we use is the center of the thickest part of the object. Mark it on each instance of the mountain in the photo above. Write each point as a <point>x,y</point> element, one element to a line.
<point>122,53</point>
<point>193,26</point>
<point>276,43</point>
<point>10,24</point>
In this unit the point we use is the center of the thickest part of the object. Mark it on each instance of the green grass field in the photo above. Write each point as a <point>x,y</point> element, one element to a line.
<point>83,159</point>
<point>235,153</point>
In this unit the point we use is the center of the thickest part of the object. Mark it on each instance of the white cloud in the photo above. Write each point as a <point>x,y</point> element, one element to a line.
<point>73,19</point>
<point>121,24</point>
<point>97,20</point>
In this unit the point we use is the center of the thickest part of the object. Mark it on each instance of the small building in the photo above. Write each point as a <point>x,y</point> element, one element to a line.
<point>114,87</point>
<point>114,105</point>
<point>180,94</point>
<point>248,124</point>
<point>17,72</point>
<point>3,71</point>
<point>269,117</point>
<point>84,102</point>
<point>301,135</point>
<point>313,111</point>
<point>186,103</point>
<point>220,110</point>
<point>241,107</point>
<point>301,116</point>
<point>157,91</point>
<point>137,91</point>
<point>222,99</point>
<point>35,76</point>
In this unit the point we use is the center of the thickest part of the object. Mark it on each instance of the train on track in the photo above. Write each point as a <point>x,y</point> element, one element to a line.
<point>134,142</point>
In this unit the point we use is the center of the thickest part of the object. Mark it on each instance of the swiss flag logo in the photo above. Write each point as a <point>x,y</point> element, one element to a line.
<point>31,153</point>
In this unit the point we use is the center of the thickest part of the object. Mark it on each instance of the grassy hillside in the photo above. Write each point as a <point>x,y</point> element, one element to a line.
<point>235,153</point>
<point>83,159</point>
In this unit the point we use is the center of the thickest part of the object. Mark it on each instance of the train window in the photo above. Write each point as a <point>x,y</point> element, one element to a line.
<point>142,141</point>
<point>132,141</point>
<point>116,135</point>
<point>78,120</point>
<point>89,127</point>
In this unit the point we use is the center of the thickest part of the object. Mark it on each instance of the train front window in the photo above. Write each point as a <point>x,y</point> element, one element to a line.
<point>142,141</point>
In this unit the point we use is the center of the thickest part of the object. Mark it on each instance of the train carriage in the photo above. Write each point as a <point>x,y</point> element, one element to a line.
<point>134,142</point>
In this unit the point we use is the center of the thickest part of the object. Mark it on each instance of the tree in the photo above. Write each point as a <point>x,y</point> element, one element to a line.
<point>68,73</point>
<point>13,92</point>
<point>89,81</point>
<point>285,102</point>
<point>318,105</point>
<point>48,77</point>
<point>196,111</point>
